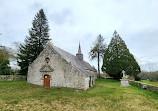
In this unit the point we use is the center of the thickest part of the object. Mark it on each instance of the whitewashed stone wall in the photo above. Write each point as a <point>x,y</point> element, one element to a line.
<point>64,74</point>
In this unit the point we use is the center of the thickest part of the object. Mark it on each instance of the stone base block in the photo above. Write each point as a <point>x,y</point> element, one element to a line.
<point>124,82</point>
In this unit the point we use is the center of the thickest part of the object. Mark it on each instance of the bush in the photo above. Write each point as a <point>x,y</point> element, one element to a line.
<point>153,77</point>
<point>144,75</point>
<point>137,78</point>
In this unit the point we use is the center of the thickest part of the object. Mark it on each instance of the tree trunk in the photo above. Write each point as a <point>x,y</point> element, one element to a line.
<point>98,66</point>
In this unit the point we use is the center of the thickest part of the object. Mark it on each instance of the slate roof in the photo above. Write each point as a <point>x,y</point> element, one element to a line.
<point>81,65</point>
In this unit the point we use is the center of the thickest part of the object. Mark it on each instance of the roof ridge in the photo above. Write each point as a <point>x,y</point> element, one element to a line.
<point>64,50</point>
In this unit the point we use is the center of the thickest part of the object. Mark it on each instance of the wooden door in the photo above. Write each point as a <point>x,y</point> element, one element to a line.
<point>46,81</point>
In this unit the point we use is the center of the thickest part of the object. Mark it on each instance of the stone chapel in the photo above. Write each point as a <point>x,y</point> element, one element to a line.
<point>55,67</point>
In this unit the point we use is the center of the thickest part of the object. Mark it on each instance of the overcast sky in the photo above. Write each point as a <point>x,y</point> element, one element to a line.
<point>72,21</point>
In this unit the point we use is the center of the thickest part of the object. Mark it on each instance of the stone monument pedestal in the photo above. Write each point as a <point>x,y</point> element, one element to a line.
<point>124,82</point>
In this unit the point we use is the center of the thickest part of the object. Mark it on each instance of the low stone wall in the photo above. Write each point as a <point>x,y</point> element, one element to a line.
<point>146,86</point>
<point>12,77</point>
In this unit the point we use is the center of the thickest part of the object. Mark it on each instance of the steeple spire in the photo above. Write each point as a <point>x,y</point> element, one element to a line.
<point>79,54</point>
<point>79,49</point>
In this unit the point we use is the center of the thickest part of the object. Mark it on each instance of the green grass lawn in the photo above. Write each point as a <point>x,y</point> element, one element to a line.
<point>106,95</point>
<point>147,81</point>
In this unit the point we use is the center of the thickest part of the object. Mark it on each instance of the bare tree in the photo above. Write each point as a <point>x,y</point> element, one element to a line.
<point>98,50</point>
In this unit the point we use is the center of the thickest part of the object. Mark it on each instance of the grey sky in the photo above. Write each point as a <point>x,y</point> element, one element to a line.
<point>72,21</point>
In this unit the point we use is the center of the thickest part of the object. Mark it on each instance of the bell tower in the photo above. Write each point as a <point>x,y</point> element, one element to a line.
<point>79,54</point>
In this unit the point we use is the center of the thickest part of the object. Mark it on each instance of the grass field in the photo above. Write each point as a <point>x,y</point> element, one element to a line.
<point>106,95</point>
<point>147,81</point>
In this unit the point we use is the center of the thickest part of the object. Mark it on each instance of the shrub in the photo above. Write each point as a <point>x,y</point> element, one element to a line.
<point>153,77</point>
<point>137,78</point>
<point>144,75</point>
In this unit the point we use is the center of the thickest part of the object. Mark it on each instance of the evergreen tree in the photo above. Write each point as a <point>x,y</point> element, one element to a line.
<point>117,58</point>
<point>5,69</point>
<point>97,51</point>
<point>34,43</point>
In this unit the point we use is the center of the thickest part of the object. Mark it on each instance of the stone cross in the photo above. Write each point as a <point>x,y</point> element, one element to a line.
<point>123,72</point>
<point>124,80</point>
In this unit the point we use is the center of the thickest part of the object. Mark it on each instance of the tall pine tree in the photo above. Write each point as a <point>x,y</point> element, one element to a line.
<point>117,58</point>
<point>34,43</point>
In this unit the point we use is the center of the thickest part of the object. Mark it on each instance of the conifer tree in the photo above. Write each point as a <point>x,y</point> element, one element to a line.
<point>34,43</point>
<point>117,58</point>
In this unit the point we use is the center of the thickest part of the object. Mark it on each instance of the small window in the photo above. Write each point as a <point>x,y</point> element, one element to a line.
<point>47,59</point>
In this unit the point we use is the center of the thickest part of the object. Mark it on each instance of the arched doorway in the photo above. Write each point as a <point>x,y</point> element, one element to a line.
<point>46,80</point>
